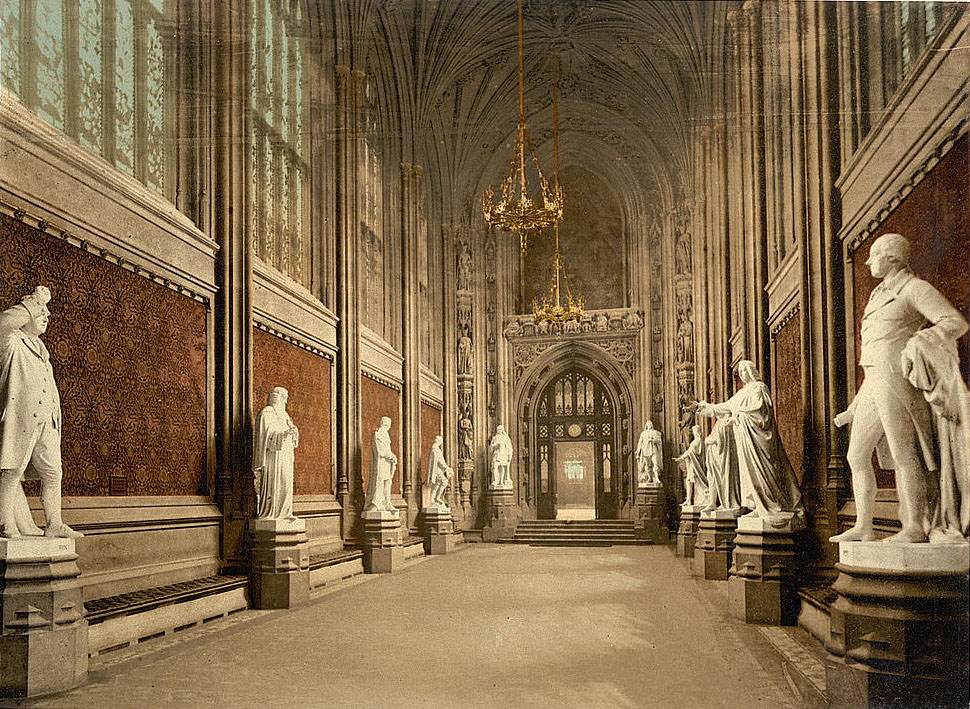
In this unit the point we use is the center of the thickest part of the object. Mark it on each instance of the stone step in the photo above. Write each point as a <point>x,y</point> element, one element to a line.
<point>578,535</point>
<point>571,541</point>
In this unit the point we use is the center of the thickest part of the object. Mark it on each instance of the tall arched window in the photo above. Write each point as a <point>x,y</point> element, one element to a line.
<point>279,171</point>
<point>97,70</point>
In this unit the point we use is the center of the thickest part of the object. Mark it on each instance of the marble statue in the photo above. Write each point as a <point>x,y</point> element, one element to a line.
<point>768,485</point>
<point>695,474</point>
<point>275,440</point>
<point>500,452</point>
<point>721,463</point>
<point>438,477</point>
<point>891,413</point>
<point>382,466</point>
<point>650,455</point>
<point>464,355</point>
<point>30,433</point>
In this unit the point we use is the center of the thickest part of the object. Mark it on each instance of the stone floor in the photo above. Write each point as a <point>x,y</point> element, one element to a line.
<point>489,626</point>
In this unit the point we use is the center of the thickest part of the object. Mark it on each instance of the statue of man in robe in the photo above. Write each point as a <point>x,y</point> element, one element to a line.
<point>273,453</point>
<point>438,476</point>
<point>768,484</point>
<point>383,463</point>
<point>721,463</point>
<point>30,420</point>
<point>500,451</point>
<point>889,414</point>
<point>649,453</point>
<point>695,474</point>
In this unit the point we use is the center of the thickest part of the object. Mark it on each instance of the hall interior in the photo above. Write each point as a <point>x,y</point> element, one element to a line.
<point>232,196</point>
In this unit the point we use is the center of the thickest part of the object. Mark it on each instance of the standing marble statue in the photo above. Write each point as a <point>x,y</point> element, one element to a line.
<point>383,463</point>
<point>649,453</point>
<point>905,367</point>
<point>695,474</point>
<point>275,441</point>
<point>438,477</point>
<point>768,485</point>
<point>30,420</point>
<point>721,463</point>
<point>500,452</point>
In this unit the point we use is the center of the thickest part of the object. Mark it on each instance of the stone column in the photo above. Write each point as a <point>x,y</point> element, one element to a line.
<point>501,515</point>
<point>439,531</point>
<point>687,532</point>
<point>650,513</point>
<point>899,626</point>
<point>715,544</point>
<point>44,636</point>
<point>761,589</point>
<point>383,549</point>
<point>281,564</point>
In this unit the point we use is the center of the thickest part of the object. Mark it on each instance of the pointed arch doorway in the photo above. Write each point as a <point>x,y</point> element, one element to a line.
<point>575,464</point>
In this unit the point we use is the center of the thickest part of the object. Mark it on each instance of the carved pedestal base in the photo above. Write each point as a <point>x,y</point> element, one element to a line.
<point>760,588</point>
<point>281,564</point>
<point>714,544</point>
<point>383,550</point>
<point>501,516</point>
<point>44,638</point>
<point>687,532</point>
<point>439,531</point>
<point>899,626</point>
<point>650,513</point>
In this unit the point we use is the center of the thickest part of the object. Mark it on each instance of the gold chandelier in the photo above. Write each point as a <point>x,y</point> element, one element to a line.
<point>552,309</point>
<point>516,210</point>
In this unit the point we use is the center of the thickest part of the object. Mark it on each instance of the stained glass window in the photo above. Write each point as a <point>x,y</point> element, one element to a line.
<point>278,161</point>
<point>97,71</point>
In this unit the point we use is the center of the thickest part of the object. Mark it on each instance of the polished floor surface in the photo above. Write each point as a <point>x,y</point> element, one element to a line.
<point>489,626</point>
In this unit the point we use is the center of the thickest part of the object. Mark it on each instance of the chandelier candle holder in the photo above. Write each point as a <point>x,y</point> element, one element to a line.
<point>554,310</point>
<point>516,210</point>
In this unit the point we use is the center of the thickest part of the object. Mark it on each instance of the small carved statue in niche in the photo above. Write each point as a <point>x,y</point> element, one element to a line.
<point>382,466</point>
<point>911,376</point>
<point>465,438</point>
<point>273,450</point>
<point>695,472</point>
<point>650,455</point>
<point>438,477</point>
<point>464,355</point>
<point>682,257</point>
<point>500,453</point>
<point>768,484</point>
<point>685,342</point>
<point>30,433</point>
<point>464,267</point>
<point>602,322</point>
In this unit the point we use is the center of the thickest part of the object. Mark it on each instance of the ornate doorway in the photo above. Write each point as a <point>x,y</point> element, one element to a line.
<point>575,465</point>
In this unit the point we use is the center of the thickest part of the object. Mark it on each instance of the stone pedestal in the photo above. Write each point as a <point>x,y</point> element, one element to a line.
<point>281,563</point>
<point>439,530</point>
<point>761,589</point>
<point>383,550</point>
<point>44,637</point>
<point>714,544</point>
<point>650,513</point>
<point>687,532</point>
<point>899,626</point>
<point>501,515</point>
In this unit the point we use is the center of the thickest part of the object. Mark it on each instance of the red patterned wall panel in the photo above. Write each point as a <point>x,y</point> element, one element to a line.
<point>306,376</point>
<point>935,217</point>
<point>430,427</point>
<point>786,390</point>
<point>377,401</point>
<point>129,360</point>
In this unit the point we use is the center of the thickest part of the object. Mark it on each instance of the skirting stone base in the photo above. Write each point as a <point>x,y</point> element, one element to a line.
<point>441,543</point>
<point>502,515</point>
<point>439,531</point>
<point>714,545</point>
<point>650,513</point>
<point>383,552</point>
<point>281,564</point>
<point>687,532</point>
<point>899,626</point>
<point>44,638</point>
<point>760,587</point>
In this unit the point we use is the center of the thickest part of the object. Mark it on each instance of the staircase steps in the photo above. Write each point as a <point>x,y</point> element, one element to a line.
<point>588,533</point>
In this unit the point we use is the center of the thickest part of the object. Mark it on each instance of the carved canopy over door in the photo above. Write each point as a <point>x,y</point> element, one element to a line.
<point>576,407</point>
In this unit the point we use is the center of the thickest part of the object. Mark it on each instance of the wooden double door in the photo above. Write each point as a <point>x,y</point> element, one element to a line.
<point>576,471</point>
